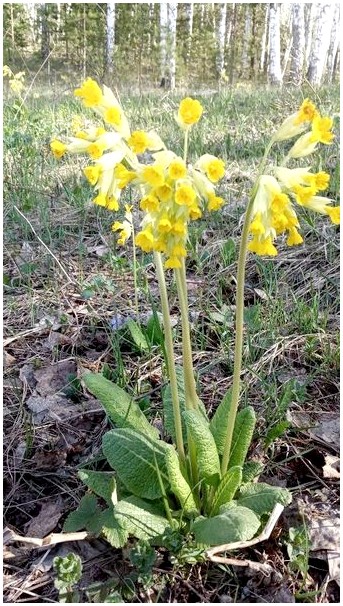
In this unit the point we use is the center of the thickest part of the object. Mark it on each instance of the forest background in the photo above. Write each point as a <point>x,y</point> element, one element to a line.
<point>144,45</point>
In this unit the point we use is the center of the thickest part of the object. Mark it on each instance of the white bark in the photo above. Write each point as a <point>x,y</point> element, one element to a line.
<point>264,39</point>
<point>221,30</point>
<point>168,15</point>
<point>189,17</point>
<point>321,42</point>
<point>163,38</point>
<point>246,39</point>
<point>298,47</point>
<point>274,65</point>
<point>334,44</point>
<point>172,16</point>
<point>110,33</point>
<point>310,17</point>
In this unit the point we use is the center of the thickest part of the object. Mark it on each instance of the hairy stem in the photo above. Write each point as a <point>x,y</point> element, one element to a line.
<point>170,359</point>
<point>240,316</point>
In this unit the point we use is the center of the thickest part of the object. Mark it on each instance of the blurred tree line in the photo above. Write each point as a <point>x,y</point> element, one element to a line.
<point>166,44</point>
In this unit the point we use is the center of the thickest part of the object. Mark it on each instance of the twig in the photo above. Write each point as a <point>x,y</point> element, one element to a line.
<point>265,534</point>
<point>51,539</point>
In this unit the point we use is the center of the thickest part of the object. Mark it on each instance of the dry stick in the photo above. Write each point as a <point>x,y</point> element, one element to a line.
<point>43,244</point>
<point>265,534</point>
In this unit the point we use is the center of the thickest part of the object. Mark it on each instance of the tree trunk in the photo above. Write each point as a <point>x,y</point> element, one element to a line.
<point>298,48</point>
<point>320,46</point>
<point>190,14</point>
<point>334,44</point>
<point>221,30</point>
<point>274,65</point>
<point>246,41</point>
<point>84,53</point>
<point>110,36</point>
<point>45,34</point>
<point>265,37</point>
<point>310,17</point>
<point>168,15</point>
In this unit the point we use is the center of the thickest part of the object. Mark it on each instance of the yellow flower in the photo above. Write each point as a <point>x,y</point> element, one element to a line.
<point>96,149</point>
<point>190,111</point>
<point>321,130</point>
<point>177,169</point>
<point>215,170</point>
<point>334,213</point>
<point>150,204</point>
<point>123,175</point>
<point>113,115</point>
<point>185,195</point>
<point>303,194</point>
<point>58,148</point>
<point>214,202</point>
<point>100,200</point>
<point>195,212</point>
<point>173,263</point>
<point>307,112</point>
<point>303,146</point>
<point>319,181</point>
<point>178,251</point>
<point>92,174</point>
<point>164,192</point>
<point>294,238</point>
<point>145,240</point>
<point>125,229</point>
<point>139,141</point>
<point>153,175</point>
<point>90,93</point>
<point>164,225</point>
<point>179,228</point>
<point>256,226</point>
<point>112,203</point>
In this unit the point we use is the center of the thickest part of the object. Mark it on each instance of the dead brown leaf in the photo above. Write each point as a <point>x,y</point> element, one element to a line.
<point>331,469</point>
<point>46,520</point>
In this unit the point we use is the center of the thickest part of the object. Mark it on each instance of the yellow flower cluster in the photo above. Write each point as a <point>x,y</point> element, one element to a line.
<point>172,193</point>
<point>273,209</point>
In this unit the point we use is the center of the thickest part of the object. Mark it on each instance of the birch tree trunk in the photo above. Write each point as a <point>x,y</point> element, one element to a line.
<point>274,65</point>
<point>334,44</point>
<point>310,17</point>
<point>298,48</point>
<point>168,15</point>
<point>221,29</point>
<point>189,17</point>
<point>246,40</point>
<point>264,42</point>
<point>320,46</point>
<point>110,35</point>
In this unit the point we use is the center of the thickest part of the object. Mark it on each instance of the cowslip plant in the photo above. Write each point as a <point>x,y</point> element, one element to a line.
<point>199,482</point>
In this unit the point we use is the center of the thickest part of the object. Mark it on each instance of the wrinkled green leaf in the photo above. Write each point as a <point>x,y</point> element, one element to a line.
<point>113,529</point>
<point>178,485</point>
<point>141,519</point>
<point>134,457</point>
<point>218,423</point>
<point>234,524</point>
<point>207,456</point>
<point>262,497</point>
<point>169,424</point>
<point>251,469</point>
<point>242,436</point>
<point>119,406</point>
<point>87,515</point>
<point>103,483</point>
<point>227,488</point>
